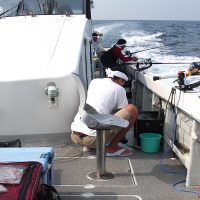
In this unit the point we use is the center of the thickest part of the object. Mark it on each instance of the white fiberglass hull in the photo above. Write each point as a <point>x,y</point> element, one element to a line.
<point>34,52</point>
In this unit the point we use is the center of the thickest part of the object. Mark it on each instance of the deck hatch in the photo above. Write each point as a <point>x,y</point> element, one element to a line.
<point>74,172</point>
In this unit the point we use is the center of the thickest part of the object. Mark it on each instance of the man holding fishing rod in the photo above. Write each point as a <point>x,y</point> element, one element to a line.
<point>112,57</point>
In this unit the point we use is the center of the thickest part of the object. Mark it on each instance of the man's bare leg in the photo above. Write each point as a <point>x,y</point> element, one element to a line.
<point>113,146</point>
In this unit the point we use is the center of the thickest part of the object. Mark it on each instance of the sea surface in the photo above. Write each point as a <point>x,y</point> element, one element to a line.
<point>171,41</point>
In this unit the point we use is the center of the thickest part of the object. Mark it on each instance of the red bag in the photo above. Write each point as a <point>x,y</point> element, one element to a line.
<point>30,183</point>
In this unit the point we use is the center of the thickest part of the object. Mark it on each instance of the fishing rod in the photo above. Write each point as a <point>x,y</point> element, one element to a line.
<point>155,78</point>
<point>147,63</point>
<point>131,53</point>
<point>170,63</point>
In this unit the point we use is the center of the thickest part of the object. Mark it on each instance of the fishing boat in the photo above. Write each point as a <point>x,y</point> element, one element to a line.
<point>46,56</point>
<point>37,38</point>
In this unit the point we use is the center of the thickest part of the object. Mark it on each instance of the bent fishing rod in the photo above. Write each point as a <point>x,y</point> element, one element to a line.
<point>147,63</point>
<point>170,63</point>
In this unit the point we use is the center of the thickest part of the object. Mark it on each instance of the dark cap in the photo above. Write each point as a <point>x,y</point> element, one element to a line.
<point>121,41</point>
<point>95,33</point>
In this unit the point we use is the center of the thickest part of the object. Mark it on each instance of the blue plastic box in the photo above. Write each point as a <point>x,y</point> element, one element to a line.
<point>44,155</point>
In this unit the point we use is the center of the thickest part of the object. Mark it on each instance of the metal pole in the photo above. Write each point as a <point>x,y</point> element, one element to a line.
<point>101,173</point>
<point>100,148</point>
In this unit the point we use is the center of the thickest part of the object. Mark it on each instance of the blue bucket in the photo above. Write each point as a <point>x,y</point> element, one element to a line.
<point>150,142</point>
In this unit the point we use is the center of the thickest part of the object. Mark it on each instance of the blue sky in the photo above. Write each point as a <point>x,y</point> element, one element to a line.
<point>147,9</point>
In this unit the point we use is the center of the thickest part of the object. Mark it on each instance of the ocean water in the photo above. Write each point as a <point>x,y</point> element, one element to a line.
<point>172,41</point>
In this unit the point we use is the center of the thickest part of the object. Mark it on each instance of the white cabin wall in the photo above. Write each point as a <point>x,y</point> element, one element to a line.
<point>24,107</point>
<point>33,59</point>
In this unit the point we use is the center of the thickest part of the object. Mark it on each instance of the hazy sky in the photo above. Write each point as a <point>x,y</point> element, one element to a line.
<point>147,9</point>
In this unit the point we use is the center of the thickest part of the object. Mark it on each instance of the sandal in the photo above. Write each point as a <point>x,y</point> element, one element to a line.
<point>120,153</point>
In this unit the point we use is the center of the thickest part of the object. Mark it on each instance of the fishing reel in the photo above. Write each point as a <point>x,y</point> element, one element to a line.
<point>145,64</point>
<point>181,82</point>
<point>142,65</point>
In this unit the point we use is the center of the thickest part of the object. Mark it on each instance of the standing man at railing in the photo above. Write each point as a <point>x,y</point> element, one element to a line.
<point>97,44</point>
<point>98,50</point>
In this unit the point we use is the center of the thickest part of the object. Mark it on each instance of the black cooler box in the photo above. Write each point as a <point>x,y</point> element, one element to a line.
<point>148,122</point>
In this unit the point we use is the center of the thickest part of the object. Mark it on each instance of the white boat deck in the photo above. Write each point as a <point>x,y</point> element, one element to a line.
<point>137,177</point>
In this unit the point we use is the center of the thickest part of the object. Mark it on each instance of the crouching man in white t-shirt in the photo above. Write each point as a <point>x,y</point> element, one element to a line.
<point>107,96</point>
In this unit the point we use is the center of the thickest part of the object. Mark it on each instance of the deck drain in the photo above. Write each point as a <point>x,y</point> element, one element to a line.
<point>89,186</point>
<point>128,170</point>
<point>87,195</point>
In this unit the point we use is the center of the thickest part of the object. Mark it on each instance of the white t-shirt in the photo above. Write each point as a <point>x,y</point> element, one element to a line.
<point>106,97</point>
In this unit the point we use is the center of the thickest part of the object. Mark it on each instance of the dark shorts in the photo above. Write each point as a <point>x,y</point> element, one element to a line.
<point>90,141</point>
